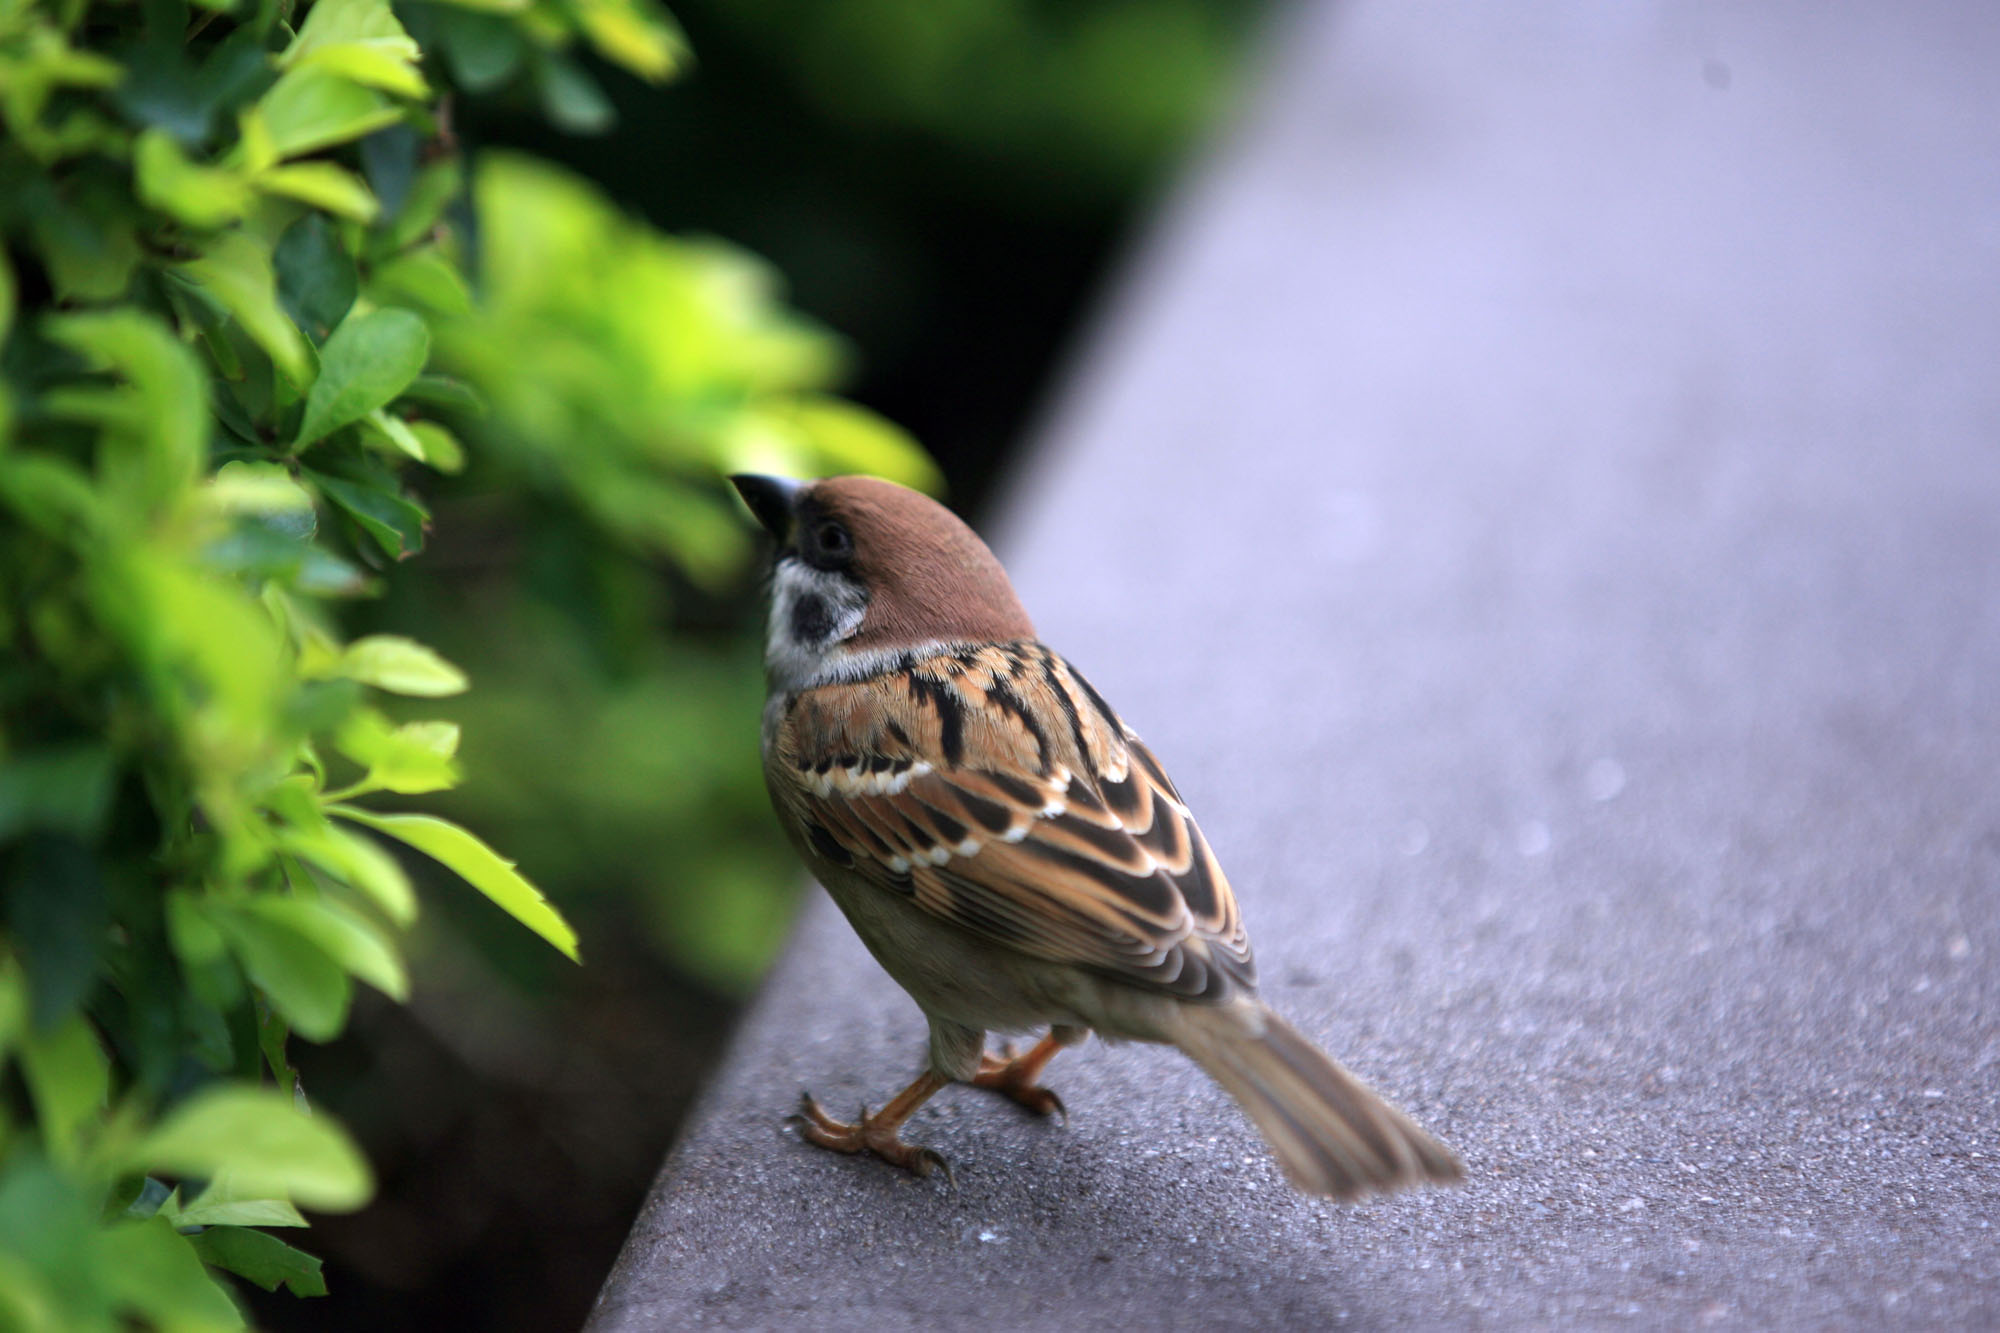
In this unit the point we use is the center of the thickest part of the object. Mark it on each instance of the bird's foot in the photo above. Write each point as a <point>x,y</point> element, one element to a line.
<point>1013,1076</point>
<point>878,1133</point>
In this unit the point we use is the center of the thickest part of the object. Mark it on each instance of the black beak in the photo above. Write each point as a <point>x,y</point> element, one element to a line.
<point>771,499</point>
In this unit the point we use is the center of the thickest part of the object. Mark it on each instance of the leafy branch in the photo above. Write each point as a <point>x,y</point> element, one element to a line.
<point>237,313</point>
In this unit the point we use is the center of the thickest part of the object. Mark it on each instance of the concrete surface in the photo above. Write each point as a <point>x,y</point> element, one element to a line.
<point>1539,490</point>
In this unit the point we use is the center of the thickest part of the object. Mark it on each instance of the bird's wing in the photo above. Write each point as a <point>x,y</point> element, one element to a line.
<point>994,788</point>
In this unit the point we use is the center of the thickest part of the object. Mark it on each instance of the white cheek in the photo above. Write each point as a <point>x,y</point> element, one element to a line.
<point>790,659</point>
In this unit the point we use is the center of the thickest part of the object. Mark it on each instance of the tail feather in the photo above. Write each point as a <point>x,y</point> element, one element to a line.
<point>1331,1133</point>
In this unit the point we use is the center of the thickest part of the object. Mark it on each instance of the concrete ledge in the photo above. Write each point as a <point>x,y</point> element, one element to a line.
<point>1539,491</point>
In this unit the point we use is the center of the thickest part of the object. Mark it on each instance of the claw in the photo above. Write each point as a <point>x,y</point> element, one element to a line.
<point>811,1113</point>
<point>875,1133</point>
<point>1014,1077</point>
<point>927,1160</point>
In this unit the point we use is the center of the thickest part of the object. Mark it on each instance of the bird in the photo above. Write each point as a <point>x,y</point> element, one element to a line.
<point>1008,849</point>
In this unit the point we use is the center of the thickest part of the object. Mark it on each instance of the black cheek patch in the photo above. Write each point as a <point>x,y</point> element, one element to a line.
<point>812,619</point>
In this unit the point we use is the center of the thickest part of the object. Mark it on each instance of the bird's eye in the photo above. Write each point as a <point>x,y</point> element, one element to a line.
<point>831,544</point>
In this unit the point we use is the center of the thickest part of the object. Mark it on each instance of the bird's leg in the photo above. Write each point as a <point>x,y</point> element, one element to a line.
<point>877,1133</point>
<point>1014,1075</point>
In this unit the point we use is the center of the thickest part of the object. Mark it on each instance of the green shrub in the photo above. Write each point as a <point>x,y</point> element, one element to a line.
<point>238,300</point>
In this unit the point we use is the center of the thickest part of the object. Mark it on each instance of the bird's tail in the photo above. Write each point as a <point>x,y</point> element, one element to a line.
<point>1331,1133</point>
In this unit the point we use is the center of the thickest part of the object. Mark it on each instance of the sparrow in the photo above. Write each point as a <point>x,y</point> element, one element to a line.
<point>1007,848</point>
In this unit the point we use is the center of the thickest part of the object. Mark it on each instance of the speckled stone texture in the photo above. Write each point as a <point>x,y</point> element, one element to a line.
<point>1538,488</point>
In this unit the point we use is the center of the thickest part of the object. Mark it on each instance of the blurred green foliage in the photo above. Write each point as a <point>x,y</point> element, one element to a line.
<point>668,356</point>
<point>238,305</point>
<point>1074,104</point>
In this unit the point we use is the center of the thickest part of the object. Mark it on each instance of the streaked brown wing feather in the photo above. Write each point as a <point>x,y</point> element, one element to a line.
<point>995,789</point>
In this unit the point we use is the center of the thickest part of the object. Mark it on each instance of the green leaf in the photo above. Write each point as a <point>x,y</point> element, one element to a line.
<point>430,193</point>
<point>351,942</point>
<point>424,278</point>
<point>439,739</point>
<point>156,422</point>
<point>278,550</point>
<point>150,1268</point>
<point>203,952</point>
<point>368,361</point>
<point>256,1140</point>
<point>47,1228</point>
<point>52,496</point>
<point>317,282</point>
<point>448,393</point>
<point>273,1038</point>
<point>264,489</point>
<point>401,666</point>
<point>61,788</point>
<point>205,1035</point>
<point>295,973</point>
<point>13,1007</point>
<point>164,89</point>
<point>262,1259</point>
<point>389,161</point>
<point>212,629</point>
<point>51,62</point>
<point>336,23</point>
<point>256,150</point>
<point>361,864</point>
<point>221,1205</point>
<point>59,916</point>
<point>140,1010</point>
<point>635,34</point>
<point>571,99</point>
<point>308,109</point>
<point>478,864</point>
<point>379,427</point>
<point>483,50</point>
<point>236,271</point>
<point>69,1079</point>
<point>395,522</point>
<point>371,65</point>
<point>323,185</point>
<point>201,196</point>
<point>441,448</point>
<point>86,235</point>
<point>410,760</point>
<point>137,1197</point>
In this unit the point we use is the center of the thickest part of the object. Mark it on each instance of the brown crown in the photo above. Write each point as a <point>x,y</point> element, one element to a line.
<point>928,575</point>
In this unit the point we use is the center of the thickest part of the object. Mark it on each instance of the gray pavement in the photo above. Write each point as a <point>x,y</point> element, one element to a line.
<point>1538,488</point>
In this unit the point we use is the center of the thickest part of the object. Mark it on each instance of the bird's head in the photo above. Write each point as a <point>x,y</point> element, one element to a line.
<point>867,570</point>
